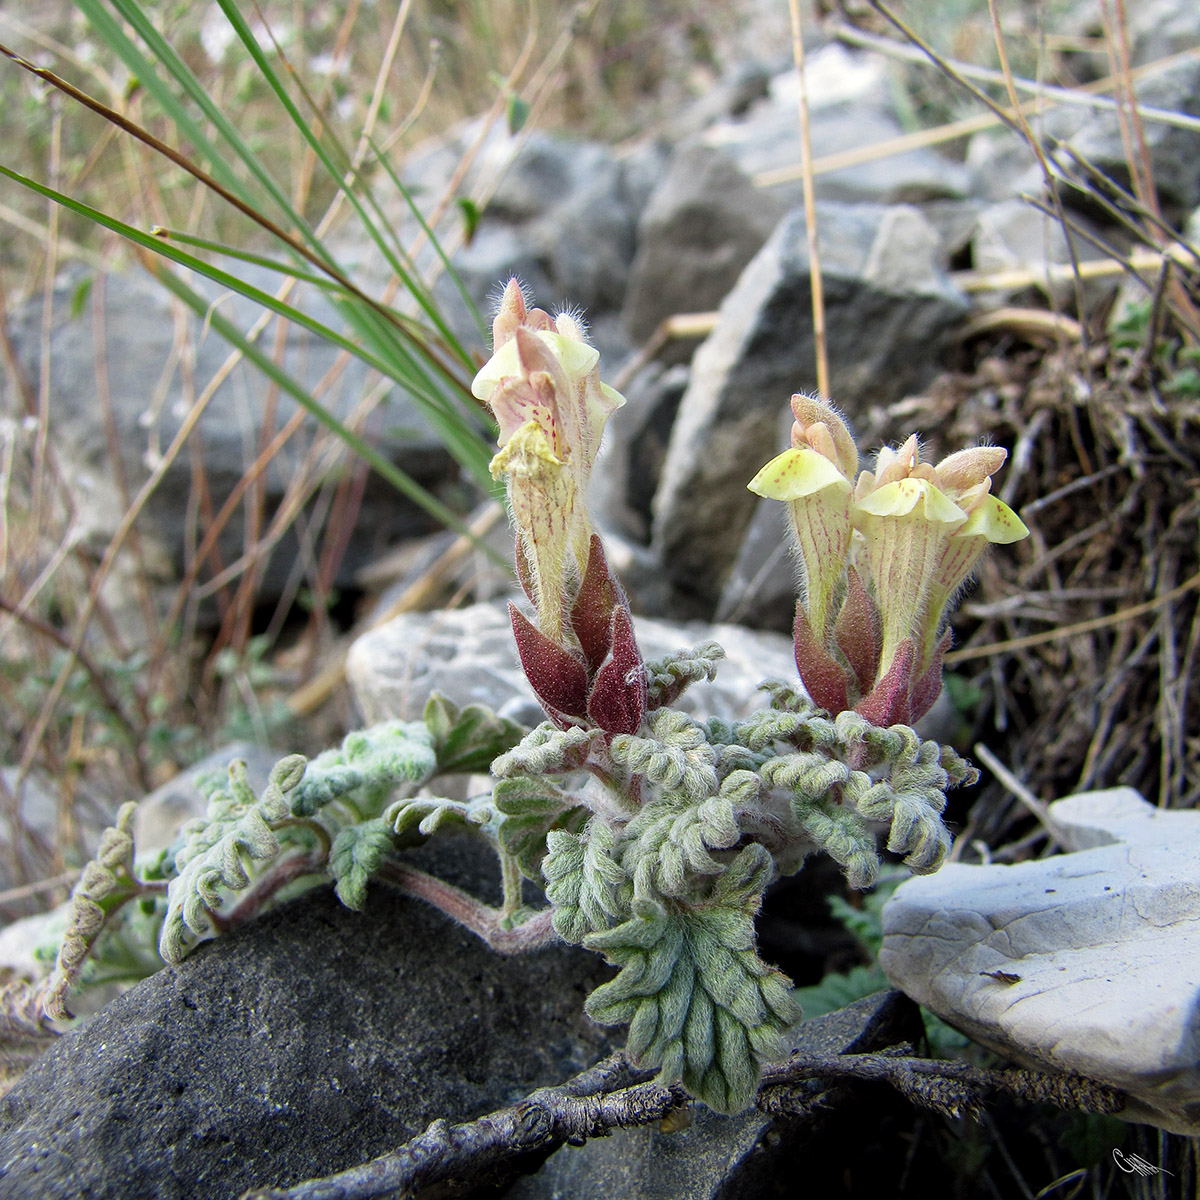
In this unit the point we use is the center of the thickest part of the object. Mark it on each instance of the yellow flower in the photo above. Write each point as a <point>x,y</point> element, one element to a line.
<point>813,479</point>
<point>542,383</point>
<point>924,529</point>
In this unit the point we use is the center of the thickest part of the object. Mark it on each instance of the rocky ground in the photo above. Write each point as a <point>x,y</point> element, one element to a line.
<point>316,1037</point>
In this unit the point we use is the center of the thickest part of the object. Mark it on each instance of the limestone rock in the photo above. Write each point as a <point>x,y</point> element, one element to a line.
<point>888,303</point>
<point>851,106</point>
<point>309,1041</point>
<point>468,655</point>
<point>1081,962</point>
<point>701,227</point>
<point>1004,166</point>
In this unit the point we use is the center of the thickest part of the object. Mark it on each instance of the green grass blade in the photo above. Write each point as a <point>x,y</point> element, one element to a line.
<point>475,454</point>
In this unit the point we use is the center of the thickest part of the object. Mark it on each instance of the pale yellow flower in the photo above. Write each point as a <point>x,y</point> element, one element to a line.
<point>542,383</point>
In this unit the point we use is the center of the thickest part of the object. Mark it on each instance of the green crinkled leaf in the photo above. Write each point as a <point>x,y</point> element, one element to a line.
<point>547,750</point>
<point>529,809</point>
<point>675,755</point>
<point>669,843</point>
<point>223,851</point>
<point>668,678</point>
<point>587,888</point>
<point>418,818</point>
<point>367,768</point>
<point>356,855</point>
<point>466,740</point>
<point>701,1004</point>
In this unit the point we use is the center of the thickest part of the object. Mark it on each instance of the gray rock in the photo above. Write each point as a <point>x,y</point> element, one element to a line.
<point>888,305</point>
<point>742,1156</point>
<point>468,655</point>
<point>1004,166</point>
<point>561,217</point>
<point>1082,962</point>
<point>150,400</point>
<point>305,1043</point>
<point>701,227</point>
<point>850,107</point>
<point>1012,235</point>
<point>761,588</point>
<point>634,450</point>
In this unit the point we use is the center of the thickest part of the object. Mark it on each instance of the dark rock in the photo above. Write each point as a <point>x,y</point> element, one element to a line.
<point>888,305</point>
<point>305,1043</point>
<point>701,227</point>
<point>635,448</point>
<point>720,1158</point>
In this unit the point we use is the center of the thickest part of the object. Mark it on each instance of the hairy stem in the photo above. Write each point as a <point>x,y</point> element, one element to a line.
<point>481,919</point>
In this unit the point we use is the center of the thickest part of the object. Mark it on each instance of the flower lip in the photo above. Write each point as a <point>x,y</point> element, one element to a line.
<point>797,473</point>
<point>902,497</point>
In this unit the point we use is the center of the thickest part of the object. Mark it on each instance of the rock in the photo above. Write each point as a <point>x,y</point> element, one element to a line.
<point>1004,166</point>
<point>702,225</point>
<point>850,107</point>
<point>468,655</point>
<point>561,217</point>
<point>746,1155</point>
<point>1014,236</point>
<point>761,588</point>
<point>308,1041</point>
<point>150,400</point>
<point>1082,962</point>
<point>635,447</point>
<point>888,304</point>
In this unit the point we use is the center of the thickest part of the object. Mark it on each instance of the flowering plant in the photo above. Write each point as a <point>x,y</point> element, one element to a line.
<point>653,833</point>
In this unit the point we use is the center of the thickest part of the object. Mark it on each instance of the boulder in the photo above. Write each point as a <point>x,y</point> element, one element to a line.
<point>888,305</point>
<point>851,106</point>
<point>468,654</point>
<point>1082,962</point>
<point>702,225</point>
<point>1004,166</point>
<point>308,1041</point>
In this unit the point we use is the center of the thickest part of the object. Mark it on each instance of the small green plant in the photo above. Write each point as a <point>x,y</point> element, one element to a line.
<point>654,834</point>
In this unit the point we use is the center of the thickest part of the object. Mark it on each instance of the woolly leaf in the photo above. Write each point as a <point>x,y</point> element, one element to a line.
<point>356,855</point>
<point>221,852</point>
<point>529,809</point>
<point>701,1005</point>
<point>675,755</point>
<point>546,751</point>
<point>105,884</point>
<point>467,740</point>
<point>585,885</point>
<point>418,818</point>
<point>368,766</point>
<point>668,678</point>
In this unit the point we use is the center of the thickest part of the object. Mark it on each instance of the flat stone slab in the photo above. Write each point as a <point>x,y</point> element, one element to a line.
<point>1082,962</point>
